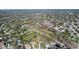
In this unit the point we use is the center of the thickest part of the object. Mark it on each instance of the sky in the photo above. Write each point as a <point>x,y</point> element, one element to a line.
<point>39,4</point>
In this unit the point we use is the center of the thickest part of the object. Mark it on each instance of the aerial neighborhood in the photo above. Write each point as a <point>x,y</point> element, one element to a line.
<point>39,30</point>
